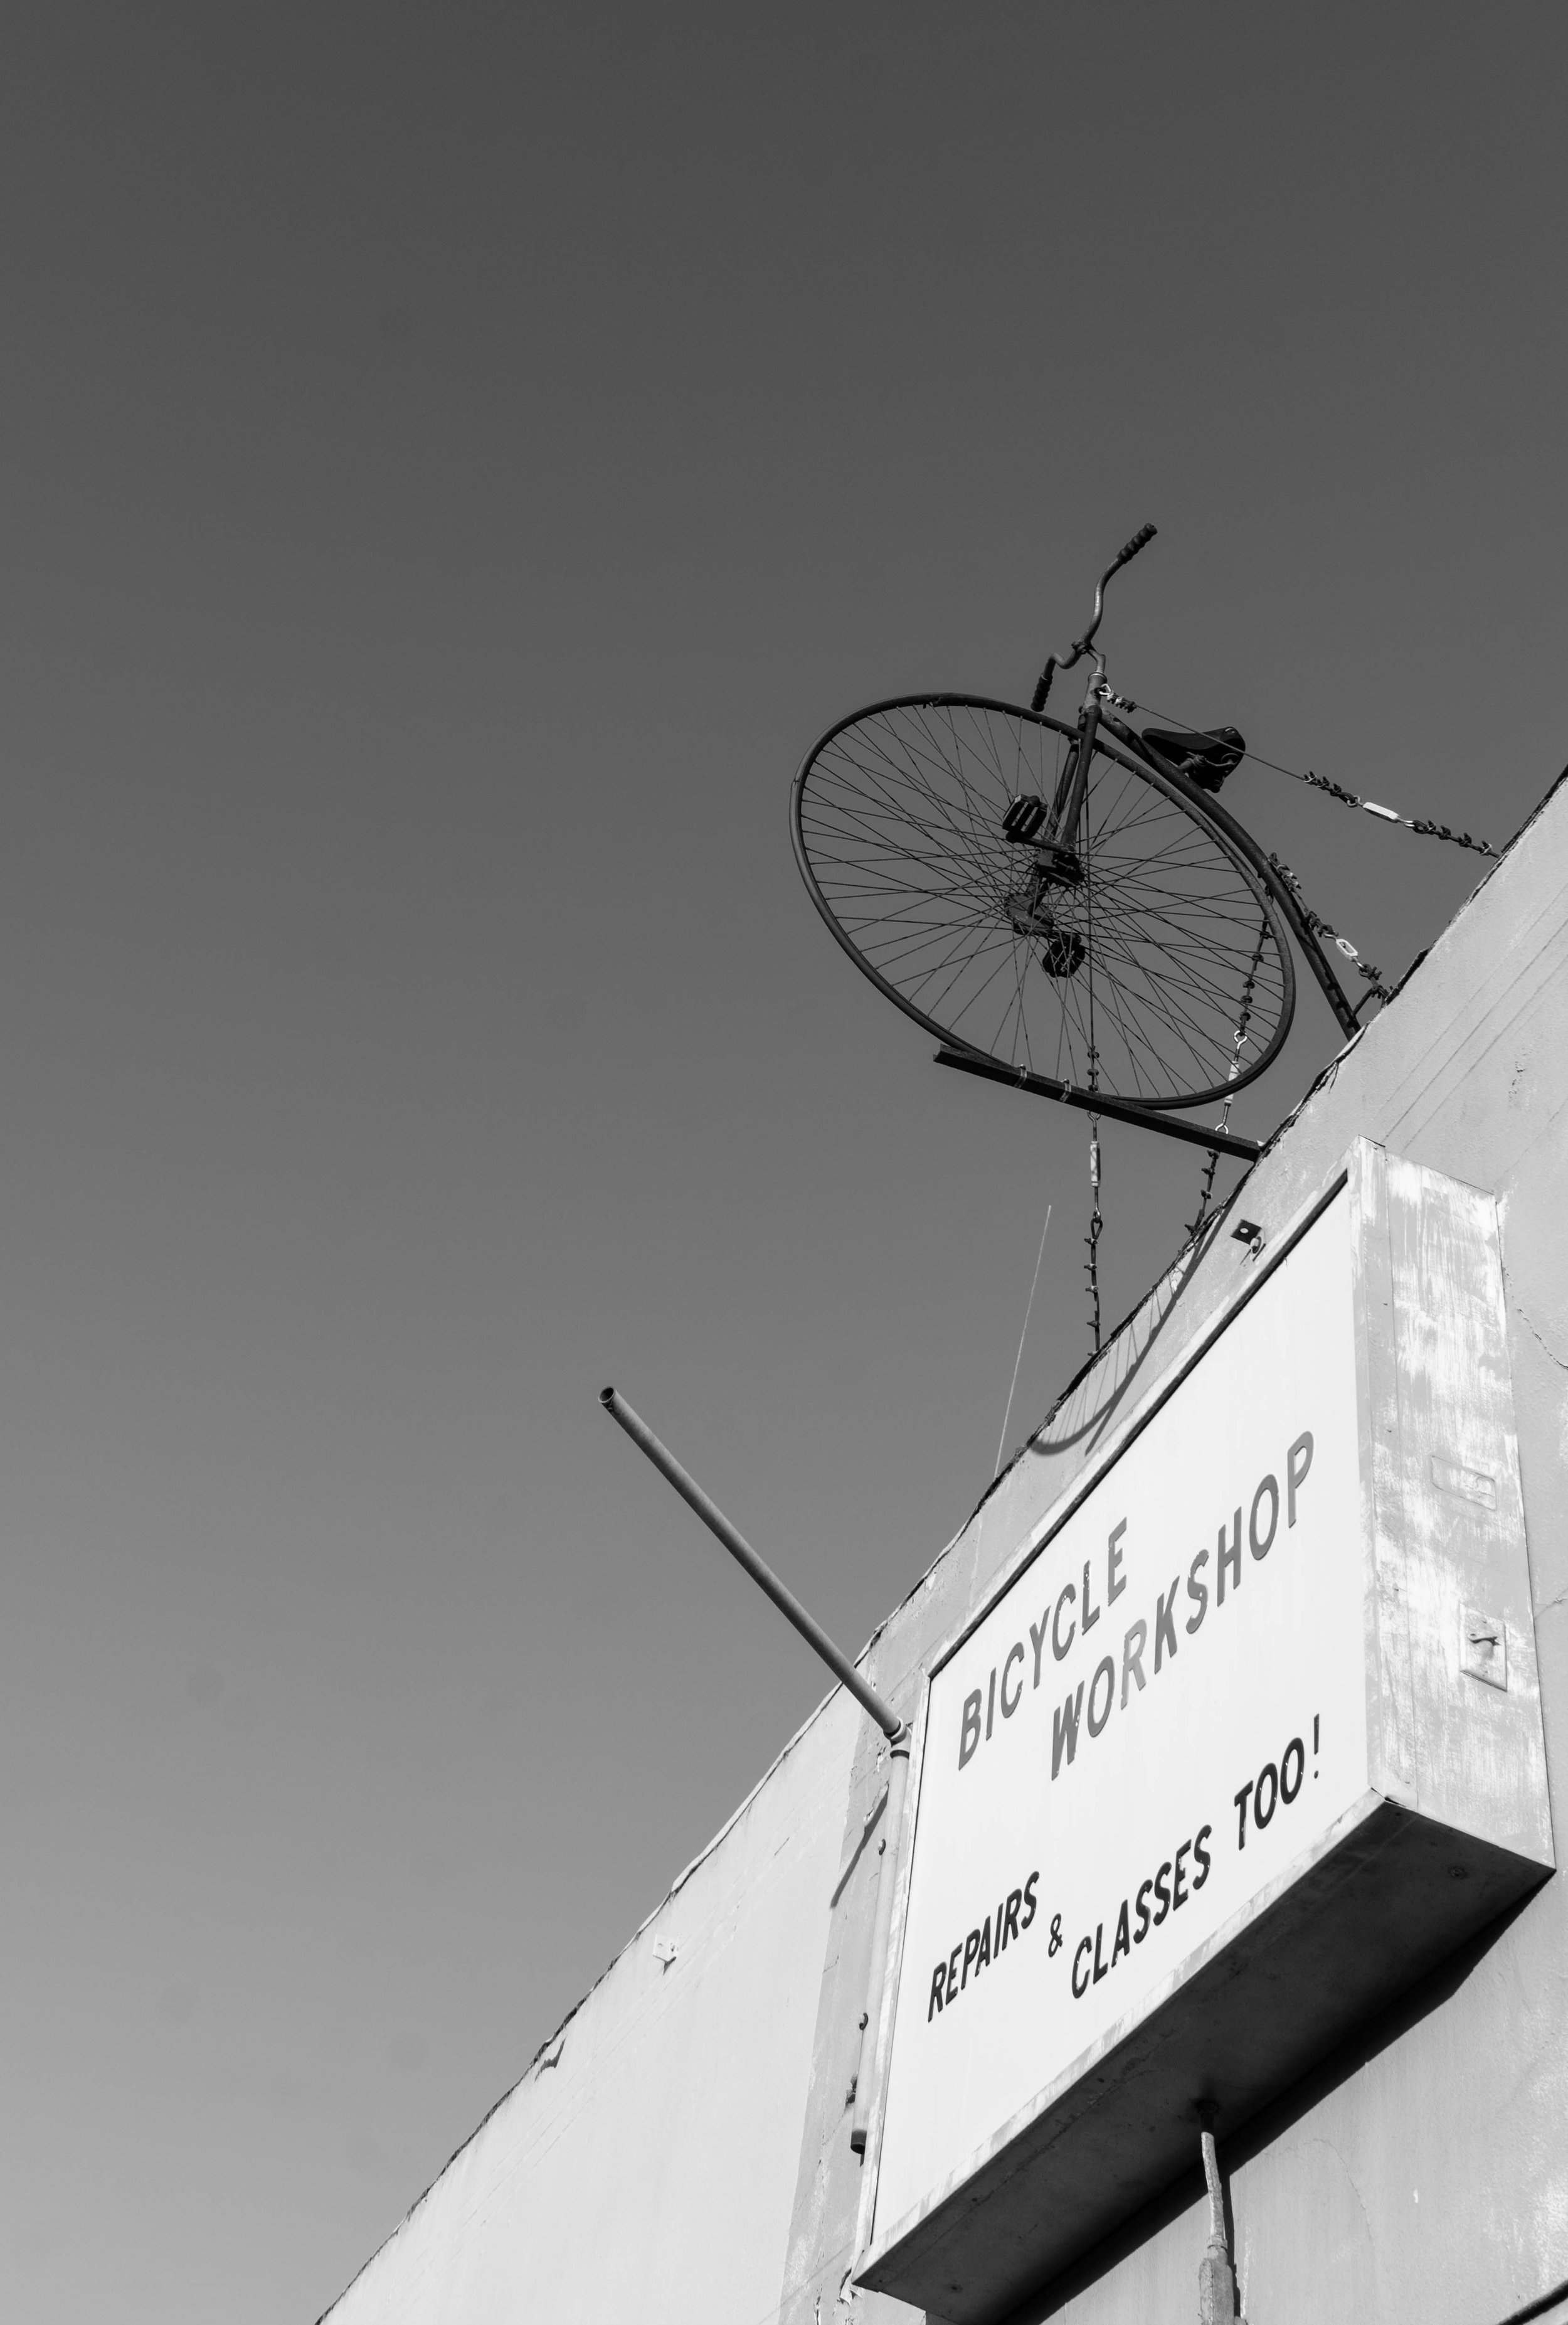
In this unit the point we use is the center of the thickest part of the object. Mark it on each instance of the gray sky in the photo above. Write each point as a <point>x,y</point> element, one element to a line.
<point>454,462</point>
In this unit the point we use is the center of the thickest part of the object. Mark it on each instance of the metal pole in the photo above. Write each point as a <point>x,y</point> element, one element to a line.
<point>741,1551</point>
<point>1216,2276</point>
<point>870,2016</point>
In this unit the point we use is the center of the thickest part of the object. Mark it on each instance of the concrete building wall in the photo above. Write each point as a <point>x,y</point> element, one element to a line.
<point>644,2166</point>
<point>693,2152</point>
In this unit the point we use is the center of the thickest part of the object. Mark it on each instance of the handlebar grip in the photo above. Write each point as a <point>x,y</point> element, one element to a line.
<point>1043,686</point>
<point>1140,539</point>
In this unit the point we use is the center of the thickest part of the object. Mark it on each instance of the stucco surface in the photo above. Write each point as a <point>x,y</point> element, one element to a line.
<point>1424,2172</point>
<point>688,2151</point>
<point>649,2151</point>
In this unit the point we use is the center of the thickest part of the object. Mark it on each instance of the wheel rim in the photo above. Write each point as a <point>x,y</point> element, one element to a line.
<point>1133,982</point>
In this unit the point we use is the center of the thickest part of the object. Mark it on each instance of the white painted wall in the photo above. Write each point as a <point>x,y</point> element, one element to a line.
<point>650,2172</point>
<point>687,2156</point>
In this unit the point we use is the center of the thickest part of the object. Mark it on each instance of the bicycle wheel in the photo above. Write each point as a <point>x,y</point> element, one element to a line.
<point>1157,970</point>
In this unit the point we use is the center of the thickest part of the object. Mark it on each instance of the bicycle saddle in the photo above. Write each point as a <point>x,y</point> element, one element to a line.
<point>1205,759</point>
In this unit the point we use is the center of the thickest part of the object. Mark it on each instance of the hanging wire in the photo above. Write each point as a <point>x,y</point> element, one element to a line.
<point>1096,1225</point>
<point>1023,1337</point>
<point>1238,1045</point>
<point>1206,1186</point>
<point>1421,823</point>
<point>1371,975</point>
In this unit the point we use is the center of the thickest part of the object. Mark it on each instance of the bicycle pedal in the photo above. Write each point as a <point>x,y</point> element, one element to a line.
<point>1023,818</point>
<point>1064,954</point>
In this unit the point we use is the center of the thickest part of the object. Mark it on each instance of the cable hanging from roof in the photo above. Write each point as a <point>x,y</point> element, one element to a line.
<point>1421,823</point>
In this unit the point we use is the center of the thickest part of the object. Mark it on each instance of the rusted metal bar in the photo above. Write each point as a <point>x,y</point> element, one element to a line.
<point>760,1572</point>
<point>1115,1109</point>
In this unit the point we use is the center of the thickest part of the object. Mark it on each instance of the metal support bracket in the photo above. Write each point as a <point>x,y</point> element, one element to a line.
<point>1114,1110</point>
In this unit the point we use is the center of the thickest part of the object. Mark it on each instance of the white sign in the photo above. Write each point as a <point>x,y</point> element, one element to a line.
<point>1162,1715</point>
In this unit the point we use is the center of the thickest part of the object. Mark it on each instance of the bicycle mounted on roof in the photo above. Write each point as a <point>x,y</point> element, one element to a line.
<point>1068,907</point>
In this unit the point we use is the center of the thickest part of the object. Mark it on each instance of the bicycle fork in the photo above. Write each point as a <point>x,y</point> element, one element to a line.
<point>1068,808</point>
<point>1056,861</point>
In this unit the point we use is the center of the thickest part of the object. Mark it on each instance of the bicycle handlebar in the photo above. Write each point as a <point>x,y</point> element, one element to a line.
<point>1140,539</point>
<point>1054,662</point>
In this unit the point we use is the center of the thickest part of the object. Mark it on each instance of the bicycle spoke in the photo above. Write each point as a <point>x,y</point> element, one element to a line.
<point>1135,977</point>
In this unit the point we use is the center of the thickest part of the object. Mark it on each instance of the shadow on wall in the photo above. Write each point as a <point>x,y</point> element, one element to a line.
<point>1092,1399</point>
<point>1269,2129</point>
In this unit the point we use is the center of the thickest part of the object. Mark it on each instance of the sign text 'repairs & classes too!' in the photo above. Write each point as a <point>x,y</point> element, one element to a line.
<point>1160,1756</point>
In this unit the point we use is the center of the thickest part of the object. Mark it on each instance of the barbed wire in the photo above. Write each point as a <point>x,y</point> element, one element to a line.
<point>1096,1230</point>
<point>1421,823</point>
<point>1321,928</point>
<point>1424,824</point>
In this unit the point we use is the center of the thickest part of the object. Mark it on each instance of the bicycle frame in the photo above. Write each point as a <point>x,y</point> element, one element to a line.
<point>1057,850</point>
<point>1280,890</point>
